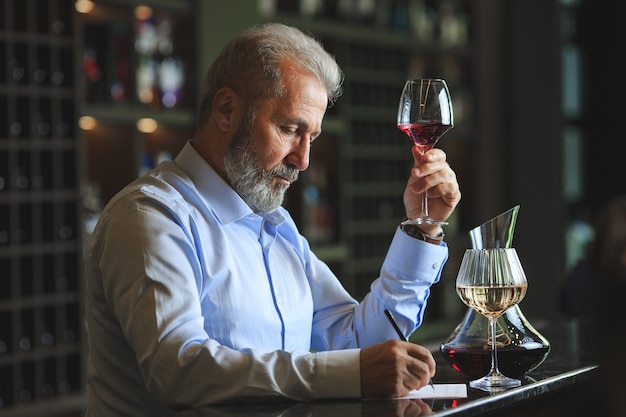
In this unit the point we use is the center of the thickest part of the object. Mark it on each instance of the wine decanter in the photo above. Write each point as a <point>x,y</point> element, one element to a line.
<point>521,348</point>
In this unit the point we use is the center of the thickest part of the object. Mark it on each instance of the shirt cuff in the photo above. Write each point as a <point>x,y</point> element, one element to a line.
<point>339,374</point>
<point>409,258</point>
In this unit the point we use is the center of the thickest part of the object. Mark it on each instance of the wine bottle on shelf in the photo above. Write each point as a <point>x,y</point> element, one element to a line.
<point>72,372</point>
<point>22,172</point>
<point>50,375</point>
<point>95,51</point>
<point>27,279</point>
<point>42,17</point>
<point>68,225</point>
<point>64,74</point>
<point>4,170</point>
<point>25,340</point>
<point>120,87</point>
<point>3,68</point>
<point>19,127</point>
<point>20,15</point>
<point>41,73</point>
<point>69,169</point>
<point>49,273</point>
<point>64,127</point>
<point>4,239</point>
<point>70,273</point>
<point>47,221</point>
<point>48,332</point>
<point>23,234</point>
<point>6,386</point>
<point>6,326</point>
<point>18,66</point>
<point>72,319</point>
<point>26,392</point>
<point>319,217</point>
<point>63,22</point>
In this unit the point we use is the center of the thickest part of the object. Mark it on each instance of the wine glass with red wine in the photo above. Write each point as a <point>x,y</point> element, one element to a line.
<point>425,114</point>
<point>491,281</point>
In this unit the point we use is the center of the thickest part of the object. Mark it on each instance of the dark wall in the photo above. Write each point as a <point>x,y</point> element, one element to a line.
<point>532,90</point>
<point>602,37</point>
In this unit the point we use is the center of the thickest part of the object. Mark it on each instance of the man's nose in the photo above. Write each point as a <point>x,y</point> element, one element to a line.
<point>299,156</point>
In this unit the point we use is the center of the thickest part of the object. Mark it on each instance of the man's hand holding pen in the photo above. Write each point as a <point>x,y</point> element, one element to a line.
<point>400,334</point>
<point>393,368</point>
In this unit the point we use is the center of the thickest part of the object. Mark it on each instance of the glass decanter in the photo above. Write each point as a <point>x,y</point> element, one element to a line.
<point>521,348</point>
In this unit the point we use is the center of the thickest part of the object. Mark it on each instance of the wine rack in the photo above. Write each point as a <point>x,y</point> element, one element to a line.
<point>40,229</point>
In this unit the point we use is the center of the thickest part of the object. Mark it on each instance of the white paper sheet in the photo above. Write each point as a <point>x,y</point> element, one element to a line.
<point>439,391</point>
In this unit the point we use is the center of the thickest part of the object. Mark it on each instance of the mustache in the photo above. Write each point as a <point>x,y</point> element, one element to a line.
<point>286,172</point>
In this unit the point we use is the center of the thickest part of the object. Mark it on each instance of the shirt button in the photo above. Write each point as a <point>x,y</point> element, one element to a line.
<point>436,265</point>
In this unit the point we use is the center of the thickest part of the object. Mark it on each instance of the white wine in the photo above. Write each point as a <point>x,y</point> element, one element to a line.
<point>491,301</point>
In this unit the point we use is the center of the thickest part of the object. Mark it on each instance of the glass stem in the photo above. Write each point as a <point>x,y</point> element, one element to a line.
<point>424,197</point>
<point>494,352</point>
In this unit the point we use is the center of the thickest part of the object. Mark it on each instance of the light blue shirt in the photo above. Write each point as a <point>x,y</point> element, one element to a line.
<point>194,299</point>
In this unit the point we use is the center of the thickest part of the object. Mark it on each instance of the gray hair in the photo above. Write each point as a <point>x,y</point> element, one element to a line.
<point>249,64</point>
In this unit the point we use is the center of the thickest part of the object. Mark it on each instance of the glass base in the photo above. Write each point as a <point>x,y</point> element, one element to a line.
<point>424,220</point>
<point>495,383</point>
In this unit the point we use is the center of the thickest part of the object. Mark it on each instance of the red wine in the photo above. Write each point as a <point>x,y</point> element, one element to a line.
<point>513,360</point>
<point>425,135</point>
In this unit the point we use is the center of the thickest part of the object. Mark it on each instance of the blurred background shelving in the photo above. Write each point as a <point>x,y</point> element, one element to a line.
<point>137,64</point>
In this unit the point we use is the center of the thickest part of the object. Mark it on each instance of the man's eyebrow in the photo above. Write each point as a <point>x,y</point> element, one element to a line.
<point>302,124</point>
<point>296,121</point>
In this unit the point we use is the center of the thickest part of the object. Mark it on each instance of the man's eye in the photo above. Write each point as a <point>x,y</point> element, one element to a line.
<point>290,130</point>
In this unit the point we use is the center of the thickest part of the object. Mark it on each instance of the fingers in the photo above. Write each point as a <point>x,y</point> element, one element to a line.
<point>416,408</point>
<point>422,368</point>
<point>444,186</point>
<point>433,175</point>
<point>431,163</point>
<point>397,408</point>
<point>393,368</point>
<point>423,357</point>
<point>432,155</point>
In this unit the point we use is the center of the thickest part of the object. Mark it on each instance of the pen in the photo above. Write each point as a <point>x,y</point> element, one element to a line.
<point>401,335</point>
<point>395,325</point>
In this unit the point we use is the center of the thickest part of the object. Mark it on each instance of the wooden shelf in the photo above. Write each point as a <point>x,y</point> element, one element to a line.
<point>128,115</point>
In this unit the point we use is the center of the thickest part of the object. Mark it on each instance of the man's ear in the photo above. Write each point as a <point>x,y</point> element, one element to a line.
<point>227,109</point>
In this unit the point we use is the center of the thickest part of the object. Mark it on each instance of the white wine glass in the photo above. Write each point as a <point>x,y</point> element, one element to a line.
<point>425,114</point>
<point>491,281</point>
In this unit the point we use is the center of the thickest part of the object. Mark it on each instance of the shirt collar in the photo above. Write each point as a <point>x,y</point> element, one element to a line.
<point>227,205</point>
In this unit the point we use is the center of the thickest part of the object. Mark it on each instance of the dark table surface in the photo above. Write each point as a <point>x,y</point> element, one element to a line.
<point>569,365</point>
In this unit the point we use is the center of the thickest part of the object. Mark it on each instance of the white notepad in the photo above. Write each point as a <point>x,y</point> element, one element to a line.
<point>439,391</point>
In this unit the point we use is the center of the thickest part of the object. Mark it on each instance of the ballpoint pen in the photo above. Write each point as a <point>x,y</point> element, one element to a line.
<point>401,335</point>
